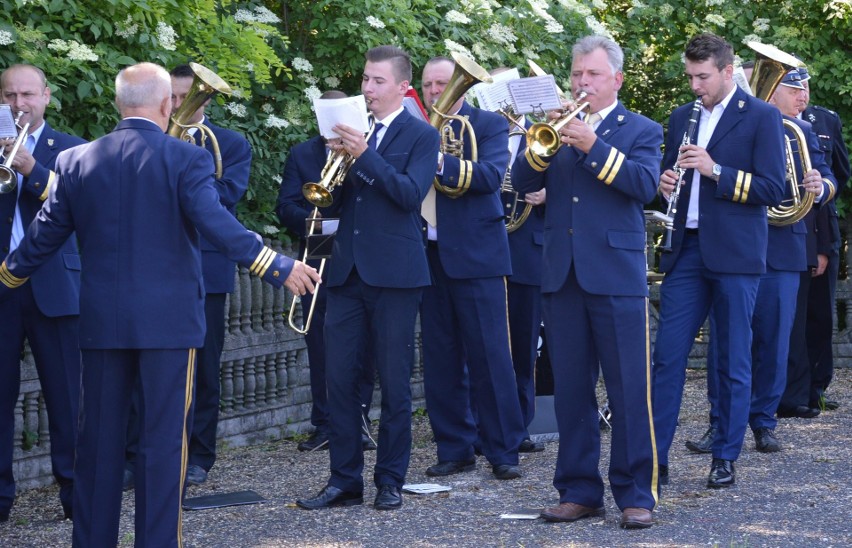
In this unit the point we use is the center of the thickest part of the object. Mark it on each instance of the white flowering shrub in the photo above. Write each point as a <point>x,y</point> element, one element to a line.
<point>278,55</point>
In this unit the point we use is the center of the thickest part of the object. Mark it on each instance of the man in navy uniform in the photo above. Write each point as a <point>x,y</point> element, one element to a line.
<point>138,200</point>
<point>305,164</point>
<point>595,294</point>
<point>463,318</point>
<point>778,326</point>
<point>218,273</point>
<point>45,310</point>
<point>829,129</point>
<point>734,170</point>
<point>375,281</point>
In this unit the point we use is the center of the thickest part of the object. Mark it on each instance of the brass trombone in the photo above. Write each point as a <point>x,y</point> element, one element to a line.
<point>319,194</point>
<point>8,176</point>
<point>291,317</point>
<point>205,84</point>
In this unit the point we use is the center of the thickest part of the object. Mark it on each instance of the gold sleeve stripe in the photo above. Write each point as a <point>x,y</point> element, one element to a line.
<point>262,261</point>
<point>8,279</point>
<point>464,174</point>
<point>265,259</point>
<point>746,188</point>
<point>536,162</point>
<point>831,190</point>
<point>614,171</point>
<point>738,186</point>
<point>50,182</point>
<point>613,154</point>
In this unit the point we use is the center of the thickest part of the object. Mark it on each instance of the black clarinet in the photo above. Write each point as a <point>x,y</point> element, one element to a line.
<point>671,211</point>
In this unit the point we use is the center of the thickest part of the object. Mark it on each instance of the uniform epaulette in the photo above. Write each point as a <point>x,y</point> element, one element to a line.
<point>828,110</point>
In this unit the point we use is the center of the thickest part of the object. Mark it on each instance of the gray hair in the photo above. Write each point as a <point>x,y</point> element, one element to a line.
<point>142,85</point>
<point>614,54</point>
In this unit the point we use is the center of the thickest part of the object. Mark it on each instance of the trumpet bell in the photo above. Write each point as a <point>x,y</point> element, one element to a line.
<point>543,140</point>
<point>317,194</point>
<point>8,180</point>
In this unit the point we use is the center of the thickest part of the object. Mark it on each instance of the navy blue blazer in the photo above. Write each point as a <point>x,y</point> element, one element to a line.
<point>138,200</point>
<point>472,227</point>
<point>56,286</point>
<point>527,241</point>
<point>304,164</point>
<point>236,164</point>
<point>595,221</point>
<point>828,127</point>
<point>379,209</point>
<point>748,144</point>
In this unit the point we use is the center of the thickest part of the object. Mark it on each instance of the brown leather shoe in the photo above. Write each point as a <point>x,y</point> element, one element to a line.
<point>636,518</point>
<point>569,511</point>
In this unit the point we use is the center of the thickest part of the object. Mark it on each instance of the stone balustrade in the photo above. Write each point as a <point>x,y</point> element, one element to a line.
<point>265,378</point>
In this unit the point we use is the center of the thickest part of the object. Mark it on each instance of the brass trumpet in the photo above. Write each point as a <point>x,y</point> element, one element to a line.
<point>8,176</point>
<point>205,84</point>
<point>543,140</point>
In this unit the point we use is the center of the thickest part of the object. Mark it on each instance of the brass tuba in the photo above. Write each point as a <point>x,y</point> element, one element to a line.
<point>8,176</point>
<point>771,64</point>
<point>205,84</point>
<point>465,74</point>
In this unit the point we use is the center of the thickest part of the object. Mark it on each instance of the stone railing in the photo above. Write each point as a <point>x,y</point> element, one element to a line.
<point>265,378</point>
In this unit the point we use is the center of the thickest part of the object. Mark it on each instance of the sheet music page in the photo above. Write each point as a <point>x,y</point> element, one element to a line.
<point>413,105</point>
<point>534,94</point>
<point>495,95</point>
<point>740,79</point>
<point>8,129</point>
<point>351,111</point>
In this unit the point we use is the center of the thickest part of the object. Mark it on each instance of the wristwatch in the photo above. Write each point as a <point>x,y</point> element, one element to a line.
<point>717,172</point>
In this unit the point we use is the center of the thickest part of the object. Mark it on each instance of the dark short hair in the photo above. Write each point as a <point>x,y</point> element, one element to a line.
<point>709,46</point>
<point>333,94</point>
<point>182,71</point>
<point>399,59</point>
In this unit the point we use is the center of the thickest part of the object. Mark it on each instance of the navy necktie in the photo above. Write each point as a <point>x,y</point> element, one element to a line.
<point>371,142</point>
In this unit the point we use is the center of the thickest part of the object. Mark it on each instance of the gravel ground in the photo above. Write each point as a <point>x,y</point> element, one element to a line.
<point>799,497</point>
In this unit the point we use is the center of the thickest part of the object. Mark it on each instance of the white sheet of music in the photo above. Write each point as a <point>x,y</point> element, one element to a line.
<point>495,95</point>
<point>8,129</point>
<point>534,94</point>
<point>351,111</point>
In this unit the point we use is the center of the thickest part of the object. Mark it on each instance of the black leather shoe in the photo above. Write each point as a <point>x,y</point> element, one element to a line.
<point>798,412</point>
<point>317,441</point>
<point>330,497</point>
<point>663,474</point>
<point>450,467</point>
<point>765,440</point>
<point>506,471</point>
<point>530,446</point>
<point>367,443</point>
<point>389,497</point>
<point>195,475</point>
<point>705,444</point>
<point>722,474</point>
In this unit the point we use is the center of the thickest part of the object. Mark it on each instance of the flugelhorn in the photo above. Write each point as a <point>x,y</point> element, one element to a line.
<point>205,84</point>
<point>465,74</point>
<point>8,176</point>
<point>770,66</point>
<point>543,139</point>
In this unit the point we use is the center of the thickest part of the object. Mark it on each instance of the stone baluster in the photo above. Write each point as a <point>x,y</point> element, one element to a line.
<point>250,382</point>
<point>226,376</point>
<point>239,384</point>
